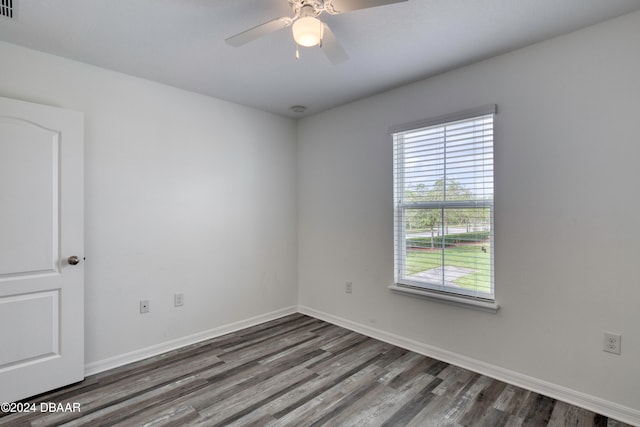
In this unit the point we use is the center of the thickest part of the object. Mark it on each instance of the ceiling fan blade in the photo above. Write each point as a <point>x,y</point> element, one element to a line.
<point>258,31</point>
<point>332,48</point>
<point>341,6</point>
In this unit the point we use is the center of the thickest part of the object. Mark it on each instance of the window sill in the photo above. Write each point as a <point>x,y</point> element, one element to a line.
<point>491,307</point>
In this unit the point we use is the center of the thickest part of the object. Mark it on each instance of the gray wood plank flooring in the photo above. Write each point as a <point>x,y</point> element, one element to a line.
<point>299,371</point>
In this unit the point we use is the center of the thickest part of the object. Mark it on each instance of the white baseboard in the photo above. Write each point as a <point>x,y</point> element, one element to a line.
<point>154,350</point>
<point>573,397</point>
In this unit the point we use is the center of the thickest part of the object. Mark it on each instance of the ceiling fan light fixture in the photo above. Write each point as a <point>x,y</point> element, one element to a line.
<point>308,31</point>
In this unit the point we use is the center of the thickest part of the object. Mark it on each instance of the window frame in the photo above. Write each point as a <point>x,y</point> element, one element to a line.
<point>424,289</point>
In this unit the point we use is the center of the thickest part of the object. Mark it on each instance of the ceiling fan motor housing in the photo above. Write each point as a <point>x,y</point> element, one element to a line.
<point>302,8</point>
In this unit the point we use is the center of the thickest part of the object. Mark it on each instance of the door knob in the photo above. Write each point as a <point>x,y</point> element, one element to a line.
<point>73,260</point>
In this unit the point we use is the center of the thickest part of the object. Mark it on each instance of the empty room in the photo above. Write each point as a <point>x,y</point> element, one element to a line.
<point>319,212</point>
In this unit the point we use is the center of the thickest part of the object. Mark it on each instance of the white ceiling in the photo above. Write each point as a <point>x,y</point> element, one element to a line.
<point>181,42</point>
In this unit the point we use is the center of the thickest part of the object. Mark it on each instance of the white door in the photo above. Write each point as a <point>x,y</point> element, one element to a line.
<point>41,227</point>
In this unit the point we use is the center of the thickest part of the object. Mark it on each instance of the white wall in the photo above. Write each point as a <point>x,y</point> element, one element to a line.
<point>188,193</point>
<point>184,193</point>
<point>566,224</point>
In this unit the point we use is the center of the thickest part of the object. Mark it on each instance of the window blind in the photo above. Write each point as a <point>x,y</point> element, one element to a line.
<point>443,189</point>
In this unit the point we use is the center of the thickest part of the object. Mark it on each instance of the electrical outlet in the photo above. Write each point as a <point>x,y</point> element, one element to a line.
<point>178,299</point>
<point>144,306</point>
<point>348,287</point>
<point>612,343</point>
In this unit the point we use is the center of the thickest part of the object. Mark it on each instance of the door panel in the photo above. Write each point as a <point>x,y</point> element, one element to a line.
<point>41,225</point>
<point>35,331</point>
<point>30,189</point>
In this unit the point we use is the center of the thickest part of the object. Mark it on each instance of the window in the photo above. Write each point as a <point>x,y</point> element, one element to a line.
<point>443,221</point>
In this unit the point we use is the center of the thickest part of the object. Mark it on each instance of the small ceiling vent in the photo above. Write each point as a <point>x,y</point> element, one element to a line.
<point>7,8</point>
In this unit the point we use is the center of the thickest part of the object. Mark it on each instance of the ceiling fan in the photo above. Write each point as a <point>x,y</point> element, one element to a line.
<point>307,29</point>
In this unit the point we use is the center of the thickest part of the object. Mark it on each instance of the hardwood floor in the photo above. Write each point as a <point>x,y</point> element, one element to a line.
<point>298,371</point>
